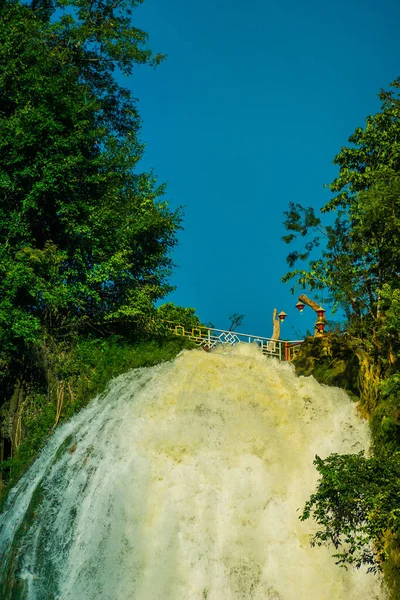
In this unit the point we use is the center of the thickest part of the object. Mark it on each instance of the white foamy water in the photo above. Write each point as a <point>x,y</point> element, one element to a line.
<point>184,482</point>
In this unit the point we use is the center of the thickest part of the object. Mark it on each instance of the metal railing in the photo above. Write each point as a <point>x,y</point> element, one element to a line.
<point>292,349</point>
<point>209,337</point>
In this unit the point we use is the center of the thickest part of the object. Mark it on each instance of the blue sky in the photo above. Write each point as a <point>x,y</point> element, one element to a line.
<point>246,115</point>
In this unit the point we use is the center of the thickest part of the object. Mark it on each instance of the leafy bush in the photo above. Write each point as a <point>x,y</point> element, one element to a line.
<point>357,503</point>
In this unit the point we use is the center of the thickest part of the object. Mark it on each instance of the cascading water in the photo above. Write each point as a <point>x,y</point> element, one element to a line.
<point>183,482</point>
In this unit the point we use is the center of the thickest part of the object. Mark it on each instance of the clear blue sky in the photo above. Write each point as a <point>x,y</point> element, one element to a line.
<point>246,115</point>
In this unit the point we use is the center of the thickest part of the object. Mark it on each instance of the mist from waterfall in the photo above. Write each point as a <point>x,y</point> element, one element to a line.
<point>185,481</point>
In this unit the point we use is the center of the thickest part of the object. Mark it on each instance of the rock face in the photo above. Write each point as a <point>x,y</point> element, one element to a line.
<point>339,361</point>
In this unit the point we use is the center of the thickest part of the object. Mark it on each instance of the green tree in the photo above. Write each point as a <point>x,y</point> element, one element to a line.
<point>374,154</point>
<point>358,253</point>
<point>356,505</point>
<point>355,256</point>
<point>180,315</point>
<point>84,235</point>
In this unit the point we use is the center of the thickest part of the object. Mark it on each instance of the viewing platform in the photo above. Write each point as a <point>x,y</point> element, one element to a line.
<point>209,337</point>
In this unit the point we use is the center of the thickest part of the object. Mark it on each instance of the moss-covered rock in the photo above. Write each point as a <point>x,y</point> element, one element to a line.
<point>332,361</point>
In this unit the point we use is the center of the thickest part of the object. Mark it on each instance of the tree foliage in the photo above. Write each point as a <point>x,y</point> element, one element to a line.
<point>357,503</point>
<point>84,235</point>
<point>185,316</point>
<point>374,154</point>
<point>357,253</point>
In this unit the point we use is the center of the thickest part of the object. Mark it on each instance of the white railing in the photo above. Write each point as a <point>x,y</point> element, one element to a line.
<point>209,337</point>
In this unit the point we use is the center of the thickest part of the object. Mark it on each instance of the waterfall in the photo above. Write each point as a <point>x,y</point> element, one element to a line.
<point>184,481</point>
